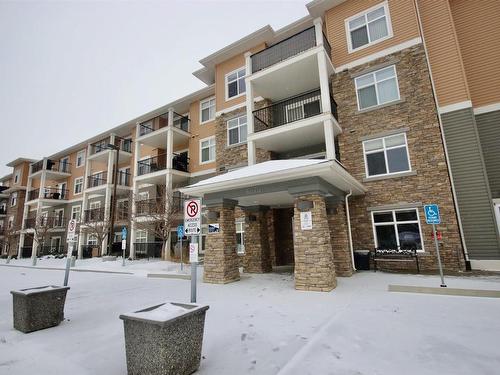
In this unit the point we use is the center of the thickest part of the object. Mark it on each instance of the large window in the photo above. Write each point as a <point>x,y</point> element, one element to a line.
<point>13,199</point>
<point>240,237</point>
<point>397,229</point>
<point>377,88</point>
<point>237,130</point>
<point>76,213</point>
<point>80,158</point>
<point>78,185</point>
<point>207,110</point>
<point>369,27</point>
<point>386,156</point>
<point>92,239</point>
<point>141,236</point>
<point>235,83</point>
<point>207,150</point>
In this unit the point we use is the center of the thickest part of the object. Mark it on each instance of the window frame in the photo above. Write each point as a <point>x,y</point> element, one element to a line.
<point>13,199</point>
<point>242,233</point>
<point>201,109</point>
<point>395,225</point>
<point>240,142</point>
<point>77,208</point>
<point>75,183</point>
<point>375,83</point>
<point>91,239</point>
<point>17,176</point>
<point>364,13</point>
<point>226,83</point>
<point>201,150</point>
<point>80,154</point>
<point>138,239</point>
<point>384,149</point>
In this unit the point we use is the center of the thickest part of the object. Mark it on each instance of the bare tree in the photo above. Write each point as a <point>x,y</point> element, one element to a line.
<point>158,215</point>
<point>40,227</point>
<point>9,241</point>
<point>97,227</point>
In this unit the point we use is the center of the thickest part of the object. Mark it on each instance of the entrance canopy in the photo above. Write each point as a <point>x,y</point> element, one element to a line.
<point>277,182</point>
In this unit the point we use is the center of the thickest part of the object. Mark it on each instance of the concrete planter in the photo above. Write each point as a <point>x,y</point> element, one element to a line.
<point>165,339</point>
<point>38,308</point>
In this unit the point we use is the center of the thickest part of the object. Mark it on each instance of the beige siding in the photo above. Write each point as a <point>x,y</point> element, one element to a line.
<point>403,20</point>
<point>477,25</point>
<point>198,132</point>
<point>444,52</point>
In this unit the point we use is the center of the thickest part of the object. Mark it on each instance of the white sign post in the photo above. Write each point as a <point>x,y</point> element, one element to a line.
<point>70,239</point>
<point>192,226</point>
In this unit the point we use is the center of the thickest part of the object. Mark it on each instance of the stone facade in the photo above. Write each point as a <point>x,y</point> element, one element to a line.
<point>416,115</point>
<point>314,264</point>
<point>221,259</point>
<point>257,250</point>
<point>337,221</point>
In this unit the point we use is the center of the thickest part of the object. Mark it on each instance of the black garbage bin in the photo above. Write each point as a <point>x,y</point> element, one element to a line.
<point>362,259</point>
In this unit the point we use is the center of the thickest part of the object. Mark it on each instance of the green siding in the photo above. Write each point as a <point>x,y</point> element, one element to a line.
<point>488,126</point>
<point>471,184</point>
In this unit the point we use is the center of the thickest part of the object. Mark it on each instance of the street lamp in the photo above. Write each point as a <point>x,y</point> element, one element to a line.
<point>111,146</point>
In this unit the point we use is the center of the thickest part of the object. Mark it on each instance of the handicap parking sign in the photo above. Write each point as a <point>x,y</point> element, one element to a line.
<point>180,231</point>
<point>432,214</point>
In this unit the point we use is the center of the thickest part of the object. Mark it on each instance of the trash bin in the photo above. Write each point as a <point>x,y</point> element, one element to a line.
<point>165,339</point>
<point>38,308</point>
<point>362,259</point>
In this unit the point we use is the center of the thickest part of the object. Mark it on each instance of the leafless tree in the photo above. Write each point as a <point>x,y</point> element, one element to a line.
<point>40,232</point>
<point>97,227</point>
<point>9,242</point>
<point>158,215</point>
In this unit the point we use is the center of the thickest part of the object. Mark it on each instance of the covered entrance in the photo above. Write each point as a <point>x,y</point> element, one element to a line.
<point>293,213</point>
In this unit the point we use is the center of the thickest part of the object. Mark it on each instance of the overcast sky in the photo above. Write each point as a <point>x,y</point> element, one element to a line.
<point>72,69</point>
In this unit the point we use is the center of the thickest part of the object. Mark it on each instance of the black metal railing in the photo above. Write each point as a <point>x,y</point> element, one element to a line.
<point>3,211</point>
<point>285,49</point>
<point>124,144</point>
<point>95,180</point>
<point>155,206</point>
<point>181,122</point>
<point>51,250</point>
<point>45,221</point>
<point>52,165</point>
<point>154,164</point>
<point>38,166</point>
<point>48,193</point>
<point>148,249</point>
<point>161,121</point>
<point>180,162</point>
<point>93,215</point>
<point>124,178</point>
<point>99,146</point>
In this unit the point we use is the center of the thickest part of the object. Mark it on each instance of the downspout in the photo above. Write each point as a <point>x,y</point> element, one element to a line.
<point>349,227</point>
<point>453,192</point>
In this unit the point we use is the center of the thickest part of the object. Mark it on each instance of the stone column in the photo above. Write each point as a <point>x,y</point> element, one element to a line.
<point>314,266</point>
<point>221,260</point>
<point>257,257</point>
<point>340,240</point>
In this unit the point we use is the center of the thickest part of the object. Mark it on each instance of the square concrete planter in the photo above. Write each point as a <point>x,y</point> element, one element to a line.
<point>38,308</point>
<point>165,339</point>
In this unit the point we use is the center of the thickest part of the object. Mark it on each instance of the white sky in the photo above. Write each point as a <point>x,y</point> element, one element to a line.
<point>72,69</point>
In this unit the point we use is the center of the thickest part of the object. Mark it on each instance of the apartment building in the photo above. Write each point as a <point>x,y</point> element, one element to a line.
<point>308,143</point>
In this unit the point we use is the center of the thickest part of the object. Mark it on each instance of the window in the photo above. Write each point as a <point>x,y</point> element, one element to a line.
<point>386,156</point>
<point>207,110</point>
<point>94,205</point>
<point>78,185</point>
<point>10,224</point>
<point>377,88</point>
<point>397,229</point>
<point>141,236</point>
<point>92,240</point>
<point>59,217</point>
<point>237,130</point>
<point>235,83</point>
<point>80,158</point>
<point>369,27</point>
<point>76,212</point>
<point>240,237</point>
<point>207,150</point>
<point>17,176</point>
<point>13,199</point>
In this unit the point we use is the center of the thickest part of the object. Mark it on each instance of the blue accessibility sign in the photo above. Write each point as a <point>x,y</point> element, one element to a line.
<point>124,233</point>
<point>180,231</point>
<point>432,214</point>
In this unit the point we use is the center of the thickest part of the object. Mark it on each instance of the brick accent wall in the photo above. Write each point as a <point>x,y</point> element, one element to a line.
<point>337,221</point>
<point>314,265</point>
<point>221,260</point>
<point>257,251</point>
<point>431,184</point>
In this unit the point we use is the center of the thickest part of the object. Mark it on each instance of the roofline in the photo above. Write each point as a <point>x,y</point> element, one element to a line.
<point>17,161</point>
<point>6,177</point>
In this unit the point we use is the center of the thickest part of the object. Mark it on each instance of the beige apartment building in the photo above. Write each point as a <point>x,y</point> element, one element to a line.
<point>307,144</point>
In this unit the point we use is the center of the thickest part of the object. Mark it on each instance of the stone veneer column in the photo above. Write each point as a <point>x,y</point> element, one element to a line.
<point>340,240</point>
<point>314,265</point>
<point>257,257</point>
<point>221,259</point>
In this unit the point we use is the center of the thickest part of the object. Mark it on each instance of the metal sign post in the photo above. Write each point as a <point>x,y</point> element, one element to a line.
<point>433,217</point>
<point>180,234</point>
<point>124,244</point>
<point>70,239</point>
<point>192,226</point>
<point>193,259</point>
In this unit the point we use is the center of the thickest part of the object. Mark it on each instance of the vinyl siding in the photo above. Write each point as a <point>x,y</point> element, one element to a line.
<point>488,126</point>
<point>478,31</point>
<point>471,184</point>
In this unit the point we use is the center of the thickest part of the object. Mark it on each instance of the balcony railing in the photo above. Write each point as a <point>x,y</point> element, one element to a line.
<point>52,250</point>
<point>93,215</point>
<point>53,222</point>
<point>180,162</point>
<point>124,178</point>
<point>96,180</point>
<point>287,48</point>
<point>48,193</point>
<point>148,249</point>
<point>52,165</point>
<point>161,121</point>
<point>156,206</point>
<point>290,110</point>
<point>3,211</point>
<point>100,146</point>
<point>125,144</point>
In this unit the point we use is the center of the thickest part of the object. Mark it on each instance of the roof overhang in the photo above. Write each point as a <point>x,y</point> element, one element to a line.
<point>18,161</point>
<point>317,8</point>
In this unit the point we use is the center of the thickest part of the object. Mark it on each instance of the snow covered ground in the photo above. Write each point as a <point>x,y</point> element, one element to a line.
<point>261,325</point>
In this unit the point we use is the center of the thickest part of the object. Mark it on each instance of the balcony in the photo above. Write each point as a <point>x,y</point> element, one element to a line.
<point>124,178</point>
<point>51,222</point>
<point>53,195</point>
<point>93,215</point>
<point>3,211</point>
<point>153,132</point>
<point>55,168</point>
<point>180,162</point>
<point>292,123</point>
<point>96,180</point>
<point>99,150</point>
